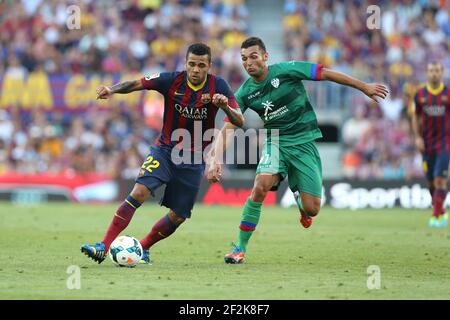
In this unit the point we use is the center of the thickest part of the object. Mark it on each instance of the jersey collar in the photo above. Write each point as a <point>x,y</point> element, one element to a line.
<point>198,87</point>
<point>435,91</point>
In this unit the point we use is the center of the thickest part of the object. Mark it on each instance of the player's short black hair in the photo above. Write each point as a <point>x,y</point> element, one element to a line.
<point>435,63</point>
<point>199,49</point>
<point>253,41</point>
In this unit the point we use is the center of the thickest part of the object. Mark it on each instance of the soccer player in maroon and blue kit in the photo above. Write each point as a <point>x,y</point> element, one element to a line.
<point>192,98</point>
<point>431,127</point>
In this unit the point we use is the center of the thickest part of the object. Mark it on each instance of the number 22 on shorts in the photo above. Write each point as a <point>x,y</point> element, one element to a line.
<point>150,164</point>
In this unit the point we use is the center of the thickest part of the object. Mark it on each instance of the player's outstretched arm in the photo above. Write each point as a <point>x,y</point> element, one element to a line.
<point>104,92</point>
<point>215,157</point>
<point>234,115</point>
<point>372,90</point>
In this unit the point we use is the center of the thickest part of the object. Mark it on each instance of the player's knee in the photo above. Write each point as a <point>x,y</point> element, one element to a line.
<point>312,208</point>
<point>440,182</point>
<point>176,219</point>
<point>140,193</point>
<point>259,192</point>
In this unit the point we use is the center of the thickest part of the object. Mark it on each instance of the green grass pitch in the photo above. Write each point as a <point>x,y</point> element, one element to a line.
<point>284,261</point>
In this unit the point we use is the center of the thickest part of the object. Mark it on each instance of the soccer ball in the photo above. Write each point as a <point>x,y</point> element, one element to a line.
<point>125,251</point>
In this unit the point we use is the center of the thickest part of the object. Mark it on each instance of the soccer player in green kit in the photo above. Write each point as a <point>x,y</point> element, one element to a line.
<point>277,94</point>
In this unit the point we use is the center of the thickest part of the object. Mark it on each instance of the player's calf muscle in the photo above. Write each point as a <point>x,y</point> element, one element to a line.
<point>311,205</point>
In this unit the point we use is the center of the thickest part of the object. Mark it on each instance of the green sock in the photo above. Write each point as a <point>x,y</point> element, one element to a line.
<point>250,218</point>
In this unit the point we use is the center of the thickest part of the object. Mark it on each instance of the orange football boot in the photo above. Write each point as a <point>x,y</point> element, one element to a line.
<point>236,256</point>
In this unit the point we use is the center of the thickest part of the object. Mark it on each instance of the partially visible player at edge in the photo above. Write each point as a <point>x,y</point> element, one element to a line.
<point>277,94</point>
<point>431,127</point>
<point>190,96</point>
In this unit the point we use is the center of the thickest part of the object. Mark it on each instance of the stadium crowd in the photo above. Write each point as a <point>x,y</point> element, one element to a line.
<point>378,141</point>
<point>132,36</point>
<point>149,36</point>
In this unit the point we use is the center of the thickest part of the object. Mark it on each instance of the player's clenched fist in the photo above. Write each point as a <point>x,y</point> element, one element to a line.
<point>220,100</point>
<point>214,172</point>
<point>103,92</point>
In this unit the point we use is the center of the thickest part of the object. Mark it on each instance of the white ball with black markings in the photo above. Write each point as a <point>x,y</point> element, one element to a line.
<point>125,251</point>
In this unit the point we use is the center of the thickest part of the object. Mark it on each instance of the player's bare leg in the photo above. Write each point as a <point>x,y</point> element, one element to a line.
<point>309,207</point>
<point>431,188</point>
<point>250,216</point>
<point>161,230</point>
<point>433,220</point>
<point>439,218</point>
<point>121,219</point>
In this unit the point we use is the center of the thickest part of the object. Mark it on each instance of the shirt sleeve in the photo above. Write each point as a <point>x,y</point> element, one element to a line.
<point>156,81</point>
<point>416,104</point>
<point>303,70</point>
<point>240,101</point>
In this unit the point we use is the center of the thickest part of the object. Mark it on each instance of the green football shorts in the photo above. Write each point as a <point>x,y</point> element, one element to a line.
<point>300,163</point>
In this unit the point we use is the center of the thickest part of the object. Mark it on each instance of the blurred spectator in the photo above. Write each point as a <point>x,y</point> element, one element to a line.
<point>15,69</point>
<point>6,126</point>
<point>355,127</point>
<point>393,105</point>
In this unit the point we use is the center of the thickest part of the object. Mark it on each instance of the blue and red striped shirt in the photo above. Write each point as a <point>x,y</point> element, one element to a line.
<point>432,108</point>
<point>186,108</point>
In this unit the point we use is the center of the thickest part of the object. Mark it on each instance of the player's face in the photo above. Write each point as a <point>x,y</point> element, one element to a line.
<point>254,60</point>
<point>197,68</point>
<point>435,73</point>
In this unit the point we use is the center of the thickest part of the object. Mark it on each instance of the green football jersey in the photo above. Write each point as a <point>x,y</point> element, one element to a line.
<point>282,102</point>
